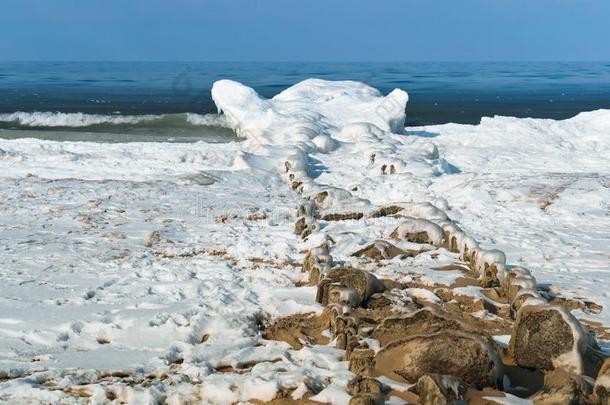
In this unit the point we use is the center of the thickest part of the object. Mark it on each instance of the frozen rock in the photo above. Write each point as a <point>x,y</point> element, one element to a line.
<point>341,216</point>
<point>366,399</point>
<point>382,250</point>
<point>419,231</point>
<point>324,143</point>
<point>491,265</point>
<point>523,297</point>
<point>300,225</point>
<point>519,283</point>
<point>363,283</point>
<point>316,262</point>
<point>602,384</point>
<point>364,385</point>
<point>423,210</point>
<point>361,361</point>
<point>548,337</point>
<point>437,389</point>
<point>422,322</point>
<point>464,355</point>
<point>562,387</point>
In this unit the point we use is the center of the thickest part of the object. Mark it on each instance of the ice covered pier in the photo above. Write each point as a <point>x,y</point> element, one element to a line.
<point>491,332</point>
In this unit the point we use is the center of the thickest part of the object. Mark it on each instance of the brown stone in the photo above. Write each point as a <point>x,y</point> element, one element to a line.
<point>361,361</point>
<point>382,250</point>
<point>343,324</point>
<point>541,334</point>
<point>466,356</point>
<point>602,384</point>
<point>379,300</point>
<point>562,387</point>
<point>299,328</point>
<point>436,389</point>
<point>365,399</point>
<point>385,211</point>
<point>364,385</point>
<point>415,237</point>
<point>342,216</point>
<point>296,184</point>
<point>489,277</point>
<point>313,264</point>
<point>422,322</point>
<point>300,226</point>
<point>363,283</point>
<point>320,197</point>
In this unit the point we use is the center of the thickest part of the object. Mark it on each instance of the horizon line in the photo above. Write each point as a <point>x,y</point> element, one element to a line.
<point>292,61</point>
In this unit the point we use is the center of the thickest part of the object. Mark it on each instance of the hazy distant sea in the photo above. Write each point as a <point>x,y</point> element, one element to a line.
<point>439,92</point>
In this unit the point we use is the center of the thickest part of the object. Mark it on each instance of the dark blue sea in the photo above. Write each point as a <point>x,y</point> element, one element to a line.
<point>439,92</point>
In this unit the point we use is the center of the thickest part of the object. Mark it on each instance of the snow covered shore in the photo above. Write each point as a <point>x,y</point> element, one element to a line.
<point>147,272</point>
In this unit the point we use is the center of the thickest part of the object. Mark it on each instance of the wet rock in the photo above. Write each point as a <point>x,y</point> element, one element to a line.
<point>548,337</point>
<point>364,385</point>
<point>382,250</point>
<point>422,322</point>
<point>464,355</point>
<point>602,384</point>
<point>363,283</point>
<point>437,389</point>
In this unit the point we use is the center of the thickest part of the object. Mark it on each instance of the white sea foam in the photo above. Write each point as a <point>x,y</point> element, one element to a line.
<point>210,120</point>
<point>78,120</point>
<point>60,119</point>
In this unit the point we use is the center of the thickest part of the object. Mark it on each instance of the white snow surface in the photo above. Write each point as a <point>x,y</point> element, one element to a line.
<point>162,260</point>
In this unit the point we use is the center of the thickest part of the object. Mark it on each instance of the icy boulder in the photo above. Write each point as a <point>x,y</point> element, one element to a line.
<point>308,112</point>
<point>547,337</point>
<point>419,231</point>
<point>350,285</point>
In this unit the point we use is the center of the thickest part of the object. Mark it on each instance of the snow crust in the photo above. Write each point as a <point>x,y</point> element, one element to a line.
<point>175,254</point>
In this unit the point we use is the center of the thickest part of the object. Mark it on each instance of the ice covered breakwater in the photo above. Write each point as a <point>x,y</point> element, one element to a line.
<point>438,340</point>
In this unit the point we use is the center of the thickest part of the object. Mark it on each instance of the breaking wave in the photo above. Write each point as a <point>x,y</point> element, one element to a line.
<point>48,119</point>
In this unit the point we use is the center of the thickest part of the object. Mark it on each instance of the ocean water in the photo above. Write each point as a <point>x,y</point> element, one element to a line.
<point>439,93</point>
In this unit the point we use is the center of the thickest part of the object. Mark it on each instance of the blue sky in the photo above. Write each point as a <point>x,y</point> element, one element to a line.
<point>313,30</point>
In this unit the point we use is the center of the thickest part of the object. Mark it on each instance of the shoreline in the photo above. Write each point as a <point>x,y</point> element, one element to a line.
<point>342,174</point>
